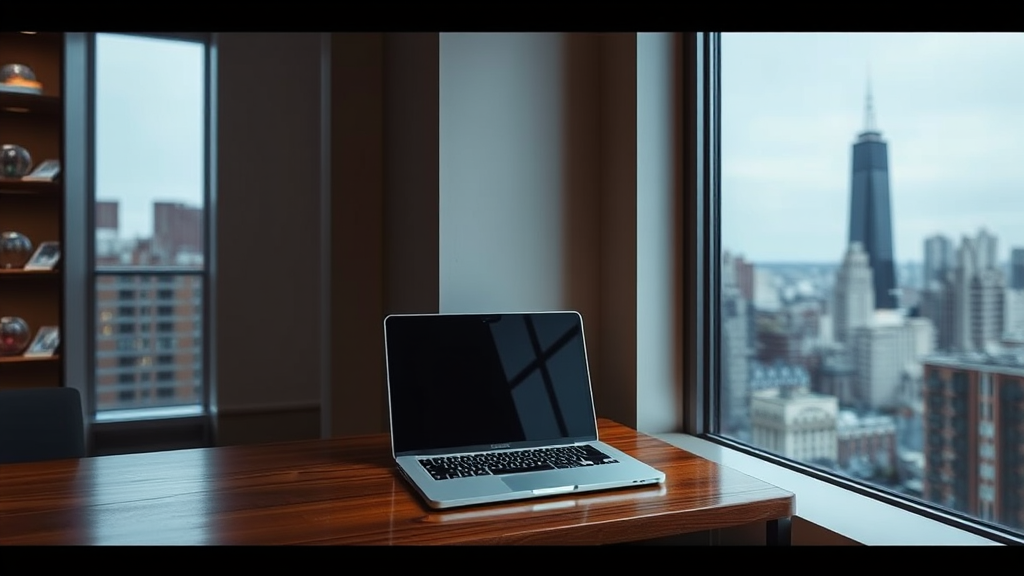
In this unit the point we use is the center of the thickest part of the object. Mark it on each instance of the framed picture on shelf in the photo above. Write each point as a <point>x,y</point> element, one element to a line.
<point>45,343</point>
<point>46,171</point>
<point>45,257</point>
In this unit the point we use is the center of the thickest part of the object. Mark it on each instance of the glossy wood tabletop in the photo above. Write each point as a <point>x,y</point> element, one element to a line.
<point>346,491</point>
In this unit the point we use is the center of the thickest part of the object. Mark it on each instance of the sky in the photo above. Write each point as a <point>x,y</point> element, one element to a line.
<point>149,126</point>
<point>950,106</point>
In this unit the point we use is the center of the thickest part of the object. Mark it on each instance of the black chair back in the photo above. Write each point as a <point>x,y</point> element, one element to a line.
<point>40,424</point>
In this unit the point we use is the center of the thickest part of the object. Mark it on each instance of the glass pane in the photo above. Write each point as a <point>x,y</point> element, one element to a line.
<point>149,349</point>
<point>150,151</point>
<point>149,214</point>
<point>872,284</point>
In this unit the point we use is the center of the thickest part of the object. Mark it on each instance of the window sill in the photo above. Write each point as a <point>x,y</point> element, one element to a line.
<point>149,430</point>
<point>137,414</point>
<point>873,523</point>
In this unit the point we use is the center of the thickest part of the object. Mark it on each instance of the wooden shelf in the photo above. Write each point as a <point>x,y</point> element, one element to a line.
<point>34,104</point>
<point>35,209</point>
<point>19,186</point>
<point>21,273</point>
<point>19,359</point>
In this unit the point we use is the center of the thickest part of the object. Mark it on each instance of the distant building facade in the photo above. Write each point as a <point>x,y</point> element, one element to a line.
<point>1017,269</point>
<point>978,294</point>
<point>789,419</point>
<point>866,443</point>
<point>939,259</point>
<point>854,300</point>
<point>882,354</point>
<point>969,302</point>
<point>974,417</point>
<point>149,324</point>
<point>736,352</point>
<point>1013,316</point>
<point>878,344</point>
<point>795,423</point>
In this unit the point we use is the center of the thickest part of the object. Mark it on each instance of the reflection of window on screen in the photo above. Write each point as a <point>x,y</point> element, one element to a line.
<point>150,194</point>
<point>870,210</point>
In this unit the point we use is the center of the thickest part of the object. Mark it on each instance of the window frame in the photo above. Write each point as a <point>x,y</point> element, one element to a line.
<point>702,152</point>
<point>118,434</point>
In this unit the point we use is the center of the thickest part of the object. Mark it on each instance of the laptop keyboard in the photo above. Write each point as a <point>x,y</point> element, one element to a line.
<point>514,461</point>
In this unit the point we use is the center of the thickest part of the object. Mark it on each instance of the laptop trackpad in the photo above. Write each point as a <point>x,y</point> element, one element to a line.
<point>552,482</point>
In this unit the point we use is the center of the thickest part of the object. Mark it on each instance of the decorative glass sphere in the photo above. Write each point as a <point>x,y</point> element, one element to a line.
<point>19,78</point>
<point>15,250</point>
<point>15,161</point>
<point>13,72</point>
<point>14,336</point>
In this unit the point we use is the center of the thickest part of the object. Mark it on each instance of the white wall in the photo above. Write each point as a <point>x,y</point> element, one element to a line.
<point>502,175</point>
<point>658,346</point>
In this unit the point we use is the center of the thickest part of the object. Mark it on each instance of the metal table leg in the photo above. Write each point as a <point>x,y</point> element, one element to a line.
<point>779,532</point>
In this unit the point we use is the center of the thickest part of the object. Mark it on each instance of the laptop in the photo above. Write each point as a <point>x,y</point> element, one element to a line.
<point>494,407</point>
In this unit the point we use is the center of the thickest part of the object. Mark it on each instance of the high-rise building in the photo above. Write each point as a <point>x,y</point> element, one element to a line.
<point>1013,314</point>
<point>881,355</point>
<point>766,290</point>
<point>879,344</point>
<point>937,303</point>
<point>939,259</point>
<point>986,247</point>
<point>1014,311</point>
<point>177,233</point>
<point>969,302</point>
<point>106,214</point>
<point>736,352</point>
<point>148,349</point>
<point>870,212</point>
<point>148,345</point>
<point>854,300</point>
<point>1017,269</point>
<point>745,278</point>
<point>974,413</point>
<point>979,291</point>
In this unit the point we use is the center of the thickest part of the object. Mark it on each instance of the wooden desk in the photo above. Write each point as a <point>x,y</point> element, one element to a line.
<point>345,491</point>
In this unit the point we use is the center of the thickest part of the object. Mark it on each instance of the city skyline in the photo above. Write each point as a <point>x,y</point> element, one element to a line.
<point>793,104</point>
<point>177,236</point>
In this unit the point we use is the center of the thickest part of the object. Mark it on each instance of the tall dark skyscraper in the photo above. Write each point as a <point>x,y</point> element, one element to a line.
<point>870,213</point>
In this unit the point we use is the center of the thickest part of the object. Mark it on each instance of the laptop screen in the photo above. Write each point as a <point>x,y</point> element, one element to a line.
<point>483,381</point>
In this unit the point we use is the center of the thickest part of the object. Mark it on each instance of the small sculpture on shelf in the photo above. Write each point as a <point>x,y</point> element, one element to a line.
<point>15,250</point>
<point>14,336</point>
<point>19,78</point>
<point>15,161</point>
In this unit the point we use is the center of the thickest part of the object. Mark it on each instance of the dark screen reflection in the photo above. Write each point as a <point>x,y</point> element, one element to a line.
<point>474,380</point>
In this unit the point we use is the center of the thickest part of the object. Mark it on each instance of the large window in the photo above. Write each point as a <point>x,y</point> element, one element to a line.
<point>870,261</point>
<point>150,225</point>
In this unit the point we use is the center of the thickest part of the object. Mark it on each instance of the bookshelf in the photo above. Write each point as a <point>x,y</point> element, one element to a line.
<point>35,209</point>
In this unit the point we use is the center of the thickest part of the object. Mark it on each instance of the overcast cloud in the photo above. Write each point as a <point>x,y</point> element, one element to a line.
<point>149,126</point>
<point>950,106</point>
